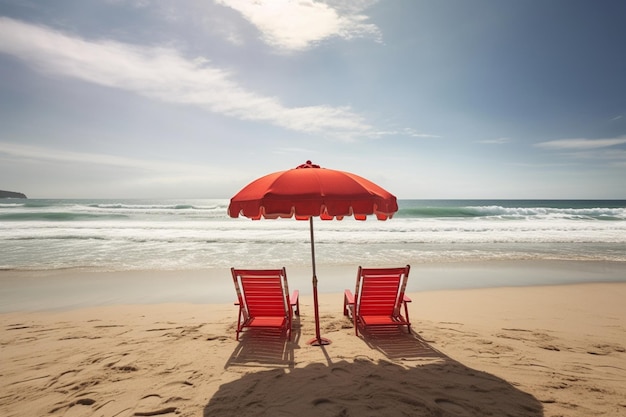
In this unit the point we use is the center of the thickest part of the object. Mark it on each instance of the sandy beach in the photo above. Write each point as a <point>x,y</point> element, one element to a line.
<point>517,351</point>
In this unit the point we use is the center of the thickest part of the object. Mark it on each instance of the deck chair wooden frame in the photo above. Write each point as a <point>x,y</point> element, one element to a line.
<point>378,298</point>
<point>264,300</point>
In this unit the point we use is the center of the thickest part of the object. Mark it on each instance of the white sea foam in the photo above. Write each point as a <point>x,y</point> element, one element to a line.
<point>198,234</point>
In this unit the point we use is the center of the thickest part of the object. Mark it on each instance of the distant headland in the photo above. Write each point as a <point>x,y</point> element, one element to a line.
<point>11,194</point>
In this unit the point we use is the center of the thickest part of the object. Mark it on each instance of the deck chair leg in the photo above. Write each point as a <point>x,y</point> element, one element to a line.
<point>289,324</point>
<point>406,312</point>
<point>238,325</point>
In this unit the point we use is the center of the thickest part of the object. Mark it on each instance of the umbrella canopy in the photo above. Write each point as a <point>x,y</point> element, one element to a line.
<point>309,191</point>
<point>315,191</point>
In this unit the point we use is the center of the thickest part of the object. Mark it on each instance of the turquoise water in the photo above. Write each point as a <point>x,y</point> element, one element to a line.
<point>514,209</point>
<point>119,235</point>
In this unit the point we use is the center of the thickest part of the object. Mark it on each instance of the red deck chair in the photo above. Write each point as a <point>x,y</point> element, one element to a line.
<point>378,298</point>
<point>264,300</point>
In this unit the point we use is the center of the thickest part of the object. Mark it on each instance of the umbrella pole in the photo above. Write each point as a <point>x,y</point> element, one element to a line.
<point>318,340</point>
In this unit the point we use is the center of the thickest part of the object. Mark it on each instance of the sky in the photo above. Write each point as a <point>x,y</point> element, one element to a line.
<point>428,98</point>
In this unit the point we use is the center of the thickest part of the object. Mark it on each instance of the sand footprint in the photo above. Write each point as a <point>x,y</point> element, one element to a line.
<point>605,349</point>
<point>76,408</point>
<point>64,379</point>
<point>451,407</point>
<point>326,406</point>
<point>18,326</point>
<point>153,405</point>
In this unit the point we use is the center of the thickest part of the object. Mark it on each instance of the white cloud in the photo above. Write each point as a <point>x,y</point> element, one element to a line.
<point>498,141</point>
<point>297,25</point>
<point>49,172</point>
<point>612,157</point>
<point>407,131</point>
<point>163,74</point>
<point>45,154</point>
<point>581,143</point>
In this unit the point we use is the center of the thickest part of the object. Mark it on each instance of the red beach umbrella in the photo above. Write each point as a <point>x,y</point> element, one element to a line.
<point>309,191</point>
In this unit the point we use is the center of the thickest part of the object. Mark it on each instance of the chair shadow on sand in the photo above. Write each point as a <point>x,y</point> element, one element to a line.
<point>436,386</point>
<point>396,344</point>
<point>266,347</point>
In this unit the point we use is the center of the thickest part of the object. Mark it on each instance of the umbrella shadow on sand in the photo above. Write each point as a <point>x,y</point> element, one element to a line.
<point>436,386</point>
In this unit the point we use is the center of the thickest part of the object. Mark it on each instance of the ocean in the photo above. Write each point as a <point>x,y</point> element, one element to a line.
<point>170,235</point>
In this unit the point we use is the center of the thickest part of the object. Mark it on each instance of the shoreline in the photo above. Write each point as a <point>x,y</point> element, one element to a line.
<point>42,290</point>
<point>522,351</point>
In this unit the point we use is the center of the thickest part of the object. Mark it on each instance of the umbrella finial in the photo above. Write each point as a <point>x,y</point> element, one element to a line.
<point>308,164</point>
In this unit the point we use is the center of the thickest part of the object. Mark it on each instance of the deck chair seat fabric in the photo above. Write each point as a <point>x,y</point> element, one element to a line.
<point>264,300</point>
<point>379,298</point>
<point>378,320</point>
<point>267,322</point>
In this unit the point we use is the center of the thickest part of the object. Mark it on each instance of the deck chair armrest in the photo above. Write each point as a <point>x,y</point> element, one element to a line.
<point>294,300</point>
<point>406,299</point>
<point>348,299</point>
